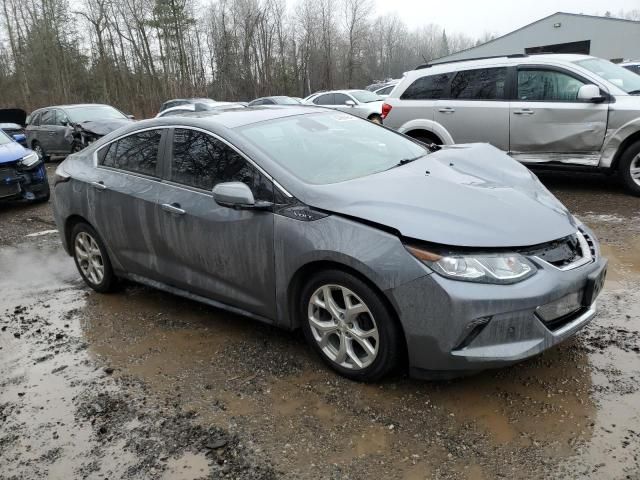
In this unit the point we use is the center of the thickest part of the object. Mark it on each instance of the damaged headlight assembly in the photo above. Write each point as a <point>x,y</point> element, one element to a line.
<point>494,268</point>
<point>29,161</point>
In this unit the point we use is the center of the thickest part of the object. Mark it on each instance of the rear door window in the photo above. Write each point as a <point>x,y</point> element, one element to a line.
<point>547,86</point>
<point>326,99</point>
<point>431,87</point>
<point>341,99</point>
<point>479,84</point>
<point>136,153</point>
<point>202,161</point>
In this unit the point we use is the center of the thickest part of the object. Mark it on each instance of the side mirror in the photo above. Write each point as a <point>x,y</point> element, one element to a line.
<point>239,196</point>
<point>350,103</point>
<point>590,93</point>
<point>131,117</point>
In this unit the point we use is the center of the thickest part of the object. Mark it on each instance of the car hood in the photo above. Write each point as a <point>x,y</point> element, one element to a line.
<point>464,195</point>
<point>104,127</point>
<point>12,151</point>
<point>13,115</point>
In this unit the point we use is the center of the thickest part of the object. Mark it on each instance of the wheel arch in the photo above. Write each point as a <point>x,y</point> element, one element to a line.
<point>429,127</point>
<point>69,224</point>
<point>298,280</point>
<point>626,143</point>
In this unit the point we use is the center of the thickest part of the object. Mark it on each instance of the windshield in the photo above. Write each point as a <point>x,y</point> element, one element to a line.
<point>94,113</point>
<point>4,138</point>
<point>620,77</point>
<point>364,96</point>
<point>324,148</point>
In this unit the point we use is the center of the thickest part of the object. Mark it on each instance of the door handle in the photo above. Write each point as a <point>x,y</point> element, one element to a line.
<point>173,208</point>
<point>446,110</point>
<point>524,111</point>
<point>99,185</point>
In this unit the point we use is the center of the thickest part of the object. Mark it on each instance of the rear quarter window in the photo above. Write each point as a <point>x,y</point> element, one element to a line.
<point>431,87</point>
<point>136,153</point>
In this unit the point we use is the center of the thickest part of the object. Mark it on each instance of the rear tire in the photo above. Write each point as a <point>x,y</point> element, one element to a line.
<point>425,137</point>
<point>92,259</point>
<point>353,332</point>
<point>629,168</point>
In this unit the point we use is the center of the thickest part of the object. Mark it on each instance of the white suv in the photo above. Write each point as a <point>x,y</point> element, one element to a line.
<point>569,110</point>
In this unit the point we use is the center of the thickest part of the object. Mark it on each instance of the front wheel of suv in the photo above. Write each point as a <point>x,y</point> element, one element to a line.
<point>629,168</point>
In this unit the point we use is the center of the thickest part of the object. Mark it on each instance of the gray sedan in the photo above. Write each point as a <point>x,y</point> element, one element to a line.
<point>361,103</point>
<point>381,250</point>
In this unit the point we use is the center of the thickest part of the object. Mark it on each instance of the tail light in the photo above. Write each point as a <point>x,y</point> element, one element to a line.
<point>386,108</point>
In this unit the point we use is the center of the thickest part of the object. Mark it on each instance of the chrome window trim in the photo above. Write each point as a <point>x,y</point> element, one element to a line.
<point>586,258</point>
<point>199,129</point>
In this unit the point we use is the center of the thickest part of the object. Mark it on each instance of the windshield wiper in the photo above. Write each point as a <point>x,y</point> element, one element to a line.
<point>405,161</point>
<point>634,92</point>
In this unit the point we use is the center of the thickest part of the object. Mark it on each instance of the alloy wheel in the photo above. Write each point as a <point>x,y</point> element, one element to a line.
<point>89,258</point>
<point>343,326</point>
<point>634,169</point>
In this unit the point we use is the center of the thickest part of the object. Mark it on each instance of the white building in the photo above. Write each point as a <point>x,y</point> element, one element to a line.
<point>611,38</point>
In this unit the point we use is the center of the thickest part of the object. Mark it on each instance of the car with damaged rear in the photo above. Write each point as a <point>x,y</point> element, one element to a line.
<point>22,173</point>
<point>383,251</point>
<point>62,130</point>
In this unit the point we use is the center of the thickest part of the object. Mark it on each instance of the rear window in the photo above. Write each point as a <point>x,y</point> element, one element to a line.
<point>427,88</point>
<point>480,84</point>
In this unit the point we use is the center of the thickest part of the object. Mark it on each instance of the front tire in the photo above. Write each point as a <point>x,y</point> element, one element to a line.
<point>348,324</point>
<point>36,147</point>
<point>92,259</point>
<point>629,169</point>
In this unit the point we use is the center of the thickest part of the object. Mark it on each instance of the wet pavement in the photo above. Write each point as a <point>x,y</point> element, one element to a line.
<point>142,384</point>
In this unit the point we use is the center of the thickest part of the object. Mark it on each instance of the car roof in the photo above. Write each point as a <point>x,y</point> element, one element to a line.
<point>232,118</point>
<point>74,106</point>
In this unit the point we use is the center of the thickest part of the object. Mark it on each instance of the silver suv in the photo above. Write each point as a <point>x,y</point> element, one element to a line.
<point>573,111</point>
<point>361,103</point>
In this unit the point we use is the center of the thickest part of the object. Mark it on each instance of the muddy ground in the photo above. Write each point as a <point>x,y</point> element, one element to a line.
<point>142,384</point>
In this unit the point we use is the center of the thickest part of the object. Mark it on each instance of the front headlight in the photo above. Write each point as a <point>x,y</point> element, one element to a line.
<point>497,268</point>
<point>29,160</point>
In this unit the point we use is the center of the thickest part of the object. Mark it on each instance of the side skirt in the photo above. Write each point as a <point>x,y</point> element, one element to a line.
<point>581,159</point>
<point>192,296</point>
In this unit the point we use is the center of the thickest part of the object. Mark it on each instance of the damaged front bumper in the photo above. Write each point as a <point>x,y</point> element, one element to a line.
<point>23,184</point>
<point>460,327</point>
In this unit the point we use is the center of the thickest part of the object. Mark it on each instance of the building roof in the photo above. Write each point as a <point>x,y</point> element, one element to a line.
<point>493,40</point>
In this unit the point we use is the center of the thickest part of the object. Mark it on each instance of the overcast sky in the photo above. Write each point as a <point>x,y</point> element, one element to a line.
<point>475,17</point>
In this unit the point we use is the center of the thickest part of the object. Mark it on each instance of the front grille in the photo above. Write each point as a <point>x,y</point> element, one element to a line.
<point>558,323</point>
<point>9,182</point>
<point>566,253</point>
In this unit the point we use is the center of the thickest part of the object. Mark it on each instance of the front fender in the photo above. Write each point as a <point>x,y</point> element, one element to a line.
<point>429,126</point>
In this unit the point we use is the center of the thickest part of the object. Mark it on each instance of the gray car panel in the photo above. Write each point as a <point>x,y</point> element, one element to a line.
<point>466,195</point>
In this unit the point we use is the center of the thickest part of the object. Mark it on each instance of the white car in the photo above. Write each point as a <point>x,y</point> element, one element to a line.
<point>383,92</point>
<point>633,66</point>
<point>362,103</point>
<point>199,107</point>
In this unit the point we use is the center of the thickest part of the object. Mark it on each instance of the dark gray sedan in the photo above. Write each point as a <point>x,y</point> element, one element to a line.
<point>381,250</point>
